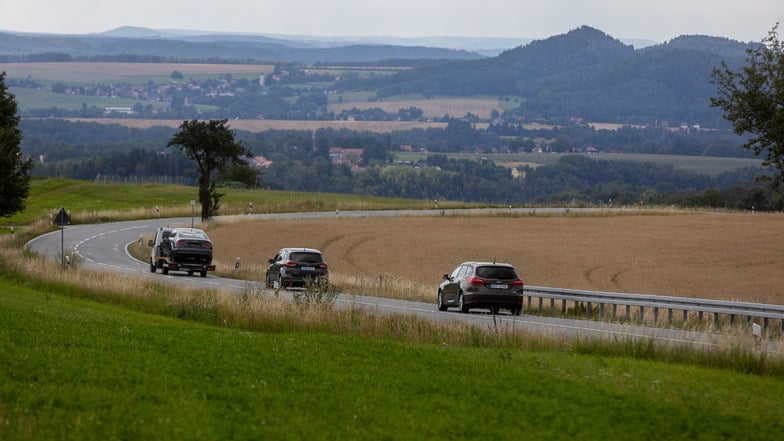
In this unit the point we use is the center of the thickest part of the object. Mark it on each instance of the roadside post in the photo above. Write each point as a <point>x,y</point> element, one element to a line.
<point>193,204</point>
<point>62,219</point>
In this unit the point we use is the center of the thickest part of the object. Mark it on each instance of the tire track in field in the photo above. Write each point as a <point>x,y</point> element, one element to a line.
<point>588,274</point>
<point>615,279</point>
<point>350,257</point>
<point>327,243</point>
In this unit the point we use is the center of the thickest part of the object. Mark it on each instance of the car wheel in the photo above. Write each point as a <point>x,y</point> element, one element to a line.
<point>440,302</point>
<point>280,282</point>
<point>190,273</point>
<point>494,309</point>
<point>461,304</point>
<point>516,310</point>
<point>204,274</point>
<point>165,270</point>
<point>152,265</point>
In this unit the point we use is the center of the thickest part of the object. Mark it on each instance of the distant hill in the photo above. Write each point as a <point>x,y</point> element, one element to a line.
<point>260,47</point>
<point>142,42</point>
<point>583,74</point>
<point>587,74</point>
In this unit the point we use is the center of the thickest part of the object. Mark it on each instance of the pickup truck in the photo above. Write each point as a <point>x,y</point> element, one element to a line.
<point>181,249</point>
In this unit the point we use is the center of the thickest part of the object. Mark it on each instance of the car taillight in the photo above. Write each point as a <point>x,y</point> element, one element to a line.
<point>323,265</point>
<point>476,281</point>
<point>207,245</point>
<point>517,282</point>
<point>290,264</point>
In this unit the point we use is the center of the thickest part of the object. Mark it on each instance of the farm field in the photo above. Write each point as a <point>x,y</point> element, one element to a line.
<point>432,108</point>
<point>261,125</point>
<point>87,72</point>
<point>728,256</point>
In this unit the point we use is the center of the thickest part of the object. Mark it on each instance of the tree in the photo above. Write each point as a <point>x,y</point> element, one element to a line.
<point>14,180</point>
<point>753,100</point>
<point>211,144</point>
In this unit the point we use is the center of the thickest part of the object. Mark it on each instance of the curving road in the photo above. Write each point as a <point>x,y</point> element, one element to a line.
<point>103,247</point>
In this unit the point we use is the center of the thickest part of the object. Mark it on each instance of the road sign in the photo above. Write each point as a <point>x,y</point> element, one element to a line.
<point>62,218</point>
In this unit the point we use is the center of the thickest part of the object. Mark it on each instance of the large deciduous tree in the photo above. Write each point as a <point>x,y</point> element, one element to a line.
<point>753,100</point>
<point>14,180</point>
<point>211,144</point>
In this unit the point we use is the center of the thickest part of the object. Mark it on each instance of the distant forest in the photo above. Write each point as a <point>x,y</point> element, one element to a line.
<point>301,162</point>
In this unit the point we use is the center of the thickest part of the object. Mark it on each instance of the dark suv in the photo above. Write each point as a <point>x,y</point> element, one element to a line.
<point>297,267</point>
<point>482,285</point>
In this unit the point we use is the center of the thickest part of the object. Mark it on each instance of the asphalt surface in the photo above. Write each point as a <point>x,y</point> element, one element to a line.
<point>103,247</point>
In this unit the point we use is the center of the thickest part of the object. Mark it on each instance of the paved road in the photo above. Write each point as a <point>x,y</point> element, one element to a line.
<point>103,247</point>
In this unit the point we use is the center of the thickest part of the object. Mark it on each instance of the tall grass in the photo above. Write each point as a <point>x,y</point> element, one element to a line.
<point>258,309</point>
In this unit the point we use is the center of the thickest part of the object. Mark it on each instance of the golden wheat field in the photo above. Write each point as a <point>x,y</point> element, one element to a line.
<point>729,256</point>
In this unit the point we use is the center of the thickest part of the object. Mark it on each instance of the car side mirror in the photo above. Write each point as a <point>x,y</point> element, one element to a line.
<point>445,277</point>
<point>150,243</point>
<point>271,261</point>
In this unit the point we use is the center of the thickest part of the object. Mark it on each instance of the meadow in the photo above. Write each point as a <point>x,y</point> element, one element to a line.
<point>103,202</point>
<point>77,369</point>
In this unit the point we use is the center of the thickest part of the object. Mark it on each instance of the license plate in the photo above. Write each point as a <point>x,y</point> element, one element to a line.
<point>499,285</point>
<point>308,268</point>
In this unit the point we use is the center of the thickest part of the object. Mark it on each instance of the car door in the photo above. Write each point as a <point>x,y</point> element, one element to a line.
<point>274,267</point>
<point>452,285</point>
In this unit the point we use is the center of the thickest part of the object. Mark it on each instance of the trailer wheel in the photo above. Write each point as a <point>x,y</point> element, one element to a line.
<point>204,273</point>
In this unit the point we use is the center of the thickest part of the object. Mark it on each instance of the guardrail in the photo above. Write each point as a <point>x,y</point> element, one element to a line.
<point>638,303</point>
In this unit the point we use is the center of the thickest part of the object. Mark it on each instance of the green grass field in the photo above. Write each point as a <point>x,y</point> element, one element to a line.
<point>73,369</point>
<point>106,201</point>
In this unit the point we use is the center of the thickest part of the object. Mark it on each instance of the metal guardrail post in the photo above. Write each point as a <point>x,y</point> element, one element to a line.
<point>689,307</point>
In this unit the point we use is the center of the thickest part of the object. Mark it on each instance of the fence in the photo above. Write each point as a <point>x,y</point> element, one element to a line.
<point>637,303</point>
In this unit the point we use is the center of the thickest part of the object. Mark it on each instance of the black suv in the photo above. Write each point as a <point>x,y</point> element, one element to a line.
<point>482,285</point>
<point>297,267</point>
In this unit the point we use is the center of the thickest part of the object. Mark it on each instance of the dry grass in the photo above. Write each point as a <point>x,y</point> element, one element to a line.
<point>728,256</point>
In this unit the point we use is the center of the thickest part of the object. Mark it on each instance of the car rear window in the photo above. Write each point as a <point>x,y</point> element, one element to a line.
<point>193,236</point>
<point>305,257</point>
<point>496,272</point>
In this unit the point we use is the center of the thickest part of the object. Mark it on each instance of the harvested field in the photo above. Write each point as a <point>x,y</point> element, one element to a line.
<point>261,125</point>
<point>728,256</point>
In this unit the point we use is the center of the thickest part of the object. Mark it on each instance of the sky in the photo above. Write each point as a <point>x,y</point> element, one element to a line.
<point>659,21</point>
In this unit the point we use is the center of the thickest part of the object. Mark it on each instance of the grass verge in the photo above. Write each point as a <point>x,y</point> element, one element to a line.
<point>73,368</point>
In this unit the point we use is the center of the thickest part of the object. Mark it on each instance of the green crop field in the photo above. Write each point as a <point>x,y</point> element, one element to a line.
<point>41,99</point>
